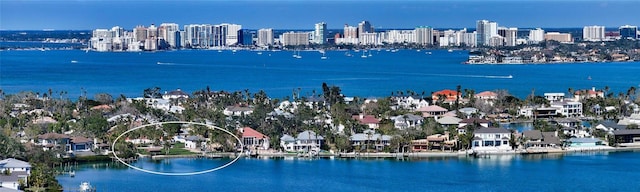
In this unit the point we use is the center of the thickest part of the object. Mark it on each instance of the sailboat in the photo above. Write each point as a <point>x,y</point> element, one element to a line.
<point>297,56</point>
<point>363,55</point>
<point>323,55</point>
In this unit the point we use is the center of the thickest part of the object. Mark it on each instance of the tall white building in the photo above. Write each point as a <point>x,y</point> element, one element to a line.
<point>536,35</point>
<point>369,39</point>
<point>265,37</point>
<point>230,32</point>
<point>170,34</point>
<point>400,36</point>
<point>294,38</point>
<point>424,35</point>
<point>198,35</point>
<point>469,39</point>
<point>511,36</point>
<point>485,30</point>
<point>320,33</point>
<point>593,33</point>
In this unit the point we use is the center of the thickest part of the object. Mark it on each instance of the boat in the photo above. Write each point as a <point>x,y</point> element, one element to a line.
<point>348,54</point>
<point>74,61</point>
<point>450,50</point>
<point>428,53</point>
<point>363,55</point>
<point>260,53</point>
<point>219,51</point>
<point>86,187</point>
<point>510,76</point>
<point>370,54</point>
<point>323,56</point>
<point>589,78</point>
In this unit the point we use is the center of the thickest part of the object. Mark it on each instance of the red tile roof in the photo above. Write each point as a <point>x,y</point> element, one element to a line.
<point>366,119</point>
<point>486,94</point>
<point>431,108</point>
<point>249,132</point>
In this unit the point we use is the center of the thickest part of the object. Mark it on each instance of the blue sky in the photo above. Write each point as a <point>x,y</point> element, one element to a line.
<point>298,14</point>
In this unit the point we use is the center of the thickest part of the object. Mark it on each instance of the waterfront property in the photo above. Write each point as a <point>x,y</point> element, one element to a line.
<point>627,137</point>
<point>12,171</point>
<point>407,121</point>
<point>538,139</point>
<point>307,141</point>
<point>433,111</point>
<point>491,140</point>
<point>369,120</point>
<point>370,138</point>
<point>50,141</point>
<point>253,139</point>
<point>584,142</point>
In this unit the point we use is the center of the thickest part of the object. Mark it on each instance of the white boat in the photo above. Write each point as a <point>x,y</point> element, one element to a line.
<point>260,53</point>
<point>74,61</point>
<point>450,50</point>
<point>510,76</point>
<point>86,187</point>
<point>323,56</point>
<point>428,53</point>
<point>363,55</point>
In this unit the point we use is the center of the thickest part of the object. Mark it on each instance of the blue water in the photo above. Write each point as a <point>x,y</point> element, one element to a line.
<point>602,171</point>
<point>278,73</point>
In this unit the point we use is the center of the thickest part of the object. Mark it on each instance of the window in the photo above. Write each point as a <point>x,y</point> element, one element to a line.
<point>476,144</point>
<point>497,143</point>
<point>488,143</point>
<point>497,136</point>
<point>504,142</point>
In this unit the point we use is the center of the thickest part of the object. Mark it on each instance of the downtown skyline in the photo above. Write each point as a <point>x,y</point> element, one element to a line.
<point>90,14</point>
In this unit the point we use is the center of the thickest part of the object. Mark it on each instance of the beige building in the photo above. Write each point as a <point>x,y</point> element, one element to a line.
<point>560,37</point>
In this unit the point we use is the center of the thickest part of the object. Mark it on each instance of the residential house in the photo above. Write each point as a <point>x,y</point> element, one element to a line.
<point>433,142</point>
<point>537,139</point>
<point>17,171</point>
<point>368,120</point>
<point>448,96</point>
<point>491,140</point>
<point>472,121</point>
<point>252,139</point>
<point>569,122</point>
<point>407,121</point>
<point>568,108</point>
<point>585,94</point>
<point>81,144</point>
<point>103,108</point>
<point>449,121</point>
<point>488,97</point>
<point>307,141</point>
<point>609,126</point>
<point>409,102</point>
<point>238,110</point>
<point>469,112</point>
<point>195,142</point>
<point>554,97</point>
<point>50,141</point>
<point>538,112</point>
<point>432,111</point>
<point>632,119</point>
<point>370,138</point>
<point>627,137</point>
<point>175,94</point>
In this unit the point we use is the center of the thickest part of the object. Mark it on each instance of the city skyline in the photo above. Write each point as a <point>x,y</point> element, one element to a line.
<point>63,15</point>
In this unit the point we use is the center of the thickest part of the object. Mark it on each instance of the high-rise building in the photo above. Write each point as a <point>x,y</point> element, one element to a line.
<point>230,34</point>
<point>511,36</point>
<point>559,37</point>
<point>117,31</point>
<point>140,33</point>
<point>169,33</point>
<point>320,33</point>
<point>593,33</point>
<point>265,37</point>
<point>294,38</point>
<point>424,35</point>
<point>152,31</point>
<point>364,27</point>
<point>485,30</point>
<point>369,39</point>
<point>628,32</point>
<point>245,37</point>
<point>198,36</point>
<point>350,32</point>
<point>536,35</point>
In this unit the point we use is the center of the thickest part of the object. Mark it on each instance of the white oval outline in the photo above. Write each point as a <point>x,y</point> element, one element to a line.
<point>113,146</point>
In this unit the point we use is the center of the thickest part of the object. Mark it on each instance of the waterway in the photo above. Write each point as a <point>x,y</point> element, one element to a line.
<point>279,74</point>
<point>594,171</point>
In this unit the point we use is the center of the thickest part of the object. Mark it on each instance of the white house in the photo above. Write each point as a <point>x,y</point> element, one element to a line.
<point>194,142</point>
<point>370,137</point>
<point>407,121</point>
<point>568,108</point>
<point>53,140</point>
<point>237,110</point>
<point>81,144</point>
<point>307,141</point>
<point>410,102</point>
<point>175,94</point>
<point>18,170</point>
<point>487,97</point>
<point>554,97</point>
<point>491,140</point>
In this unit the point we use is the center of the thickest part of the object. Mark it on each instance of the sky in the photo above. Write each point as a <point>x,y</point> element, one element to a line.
<point>299,14</point>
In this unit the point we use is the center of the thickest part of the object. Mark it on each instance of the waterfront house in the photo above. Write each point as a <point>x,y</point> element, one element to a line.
<point>307,141</point>
<point>590,93</point>
<point>487,97</point>
<point>12,171</point>
<point>407,121</point>
<point>554,97</point>
<point>238,110</point>
<point>440,142</point>
<point>632,119</point>
<point>432,111</point>
<point>627,137</point>
<point>368,120</point>
<point>584,142</point>
<point>195,142</point>
<point>538,112</point>
<point>609,126</point>
<point>470,112</point>
<point>252,139</point>
<point>370,138</point>
<point>568,108</point>
<point>81,144</point>
<point>537,139</point>
<point>50,141</point>
<point>491,140</point>
<point>569,122</point>
<point>175,94</point>
<point>287,142</point>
